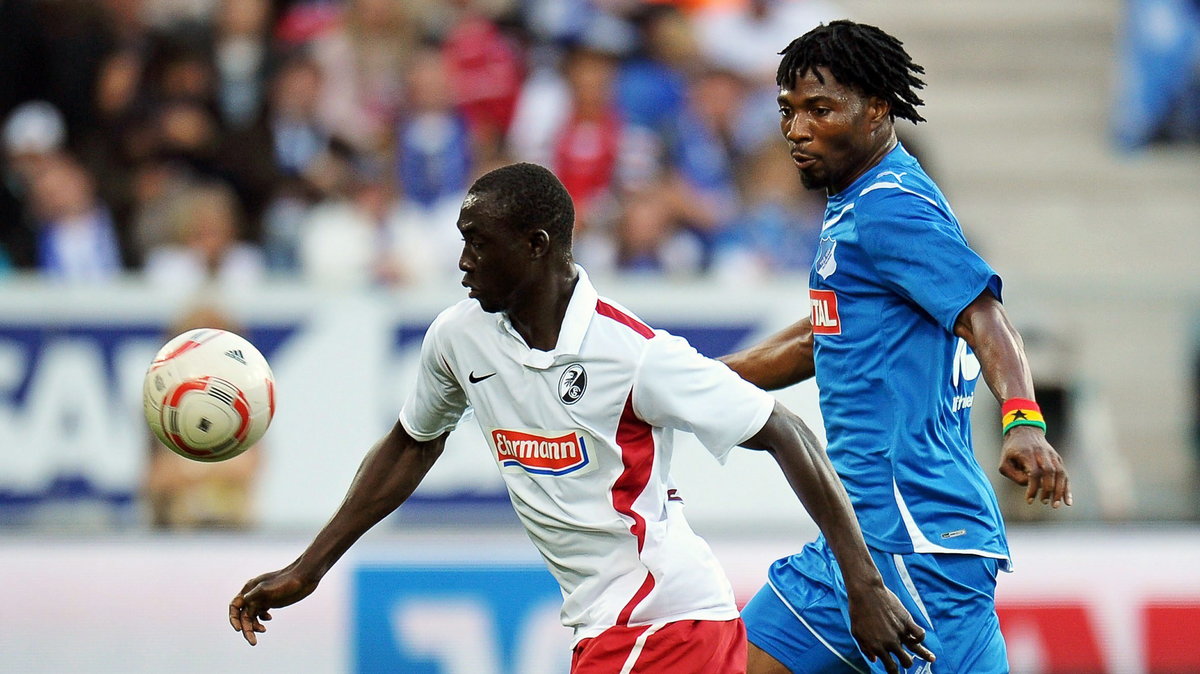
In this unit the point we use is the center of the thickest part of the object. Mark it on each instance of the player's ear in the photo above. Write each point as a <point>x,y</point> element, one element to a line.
<point>539,243</point>
<point>878,109</point>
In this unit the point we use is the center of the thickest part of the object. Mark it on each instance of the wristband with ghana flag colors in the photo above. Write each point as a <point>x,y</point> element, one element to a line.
<point>1020,412</point>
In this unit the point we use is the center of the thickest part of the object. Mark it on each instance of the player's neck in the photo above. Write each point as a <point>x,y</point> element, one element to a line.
<point>539,319</point>
<point>870,160</point>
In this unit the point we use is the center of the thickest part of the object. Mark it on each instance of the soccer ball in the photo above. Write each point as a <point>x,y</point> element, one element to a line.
<point>209,395</point>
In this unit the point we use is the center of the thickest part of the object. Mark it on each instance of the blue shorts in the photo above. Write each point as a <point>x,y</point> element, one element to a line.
<point>800,617</point>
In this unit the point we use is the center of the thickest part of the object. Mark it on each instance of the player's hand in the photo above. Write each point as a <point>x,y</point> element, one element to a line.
<point>252,605</point>
<point>1027,459</point>
<point>885,630</point>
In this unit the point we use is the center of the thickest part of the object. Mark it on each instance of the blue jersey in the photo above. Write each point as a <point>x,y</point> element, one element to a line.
<point>892,273</point>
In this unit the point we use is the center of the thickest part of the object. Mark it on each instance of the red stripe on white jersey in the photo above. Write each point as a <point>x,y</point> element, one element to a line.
<point>605,309</point>
<point>636,440</point>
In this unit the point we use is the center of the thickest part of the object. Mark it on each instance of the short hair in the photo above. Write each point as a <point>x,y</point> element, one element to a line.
<point>527,197</point>
<point>860,56</point>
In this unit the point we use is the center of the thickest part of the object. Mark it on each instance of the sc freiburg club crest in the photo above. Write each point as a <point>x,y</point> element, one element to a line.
<point>572,384</point>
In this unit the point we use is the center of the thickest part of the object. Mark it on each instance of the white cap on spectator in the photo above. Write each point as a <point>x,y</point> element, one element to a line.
<point>34,127</point>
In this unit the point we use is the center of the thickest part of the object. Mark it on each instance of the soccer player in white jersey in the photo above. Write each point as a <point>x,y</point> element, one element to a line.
<point>904,319</point>
<point>577,398</point>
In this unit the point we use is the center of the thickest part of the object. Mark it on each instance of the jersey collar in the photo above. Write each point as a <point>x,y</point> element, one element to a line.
<point>868,176</point>
<point>580,311</point>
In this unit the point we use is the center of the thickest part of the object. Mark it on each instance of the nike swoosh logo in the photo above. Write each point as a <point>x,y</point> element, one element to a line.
<point>476,380</point>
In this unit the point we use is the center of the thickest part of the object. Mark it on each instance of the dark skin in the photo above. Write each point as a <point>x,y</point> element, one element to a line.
<point>1025,457</point>
<point>534,296</point>
<point>531,278</point>
<point>834,135</point>
<point>388,475</point>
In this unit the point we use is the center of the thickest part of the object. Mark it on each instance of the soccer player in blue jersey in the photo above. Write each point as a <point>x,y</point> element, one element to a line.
<point>904,319</point>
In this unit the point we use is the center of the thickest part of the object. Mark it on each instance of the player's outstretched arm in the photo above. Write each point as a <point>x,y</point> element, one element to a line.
<point>387,477</point>
<point>1025,456</point>
<point>880,623</point>
<point>780,360</point>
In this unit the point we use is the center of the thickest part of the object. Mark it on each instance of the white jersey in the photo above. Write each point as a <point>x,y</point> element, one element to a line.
<point>582,436</point>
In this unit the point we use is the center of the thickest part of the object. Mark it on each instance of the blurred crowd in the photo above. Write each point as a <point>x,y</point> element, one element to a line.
<point>224,142</point>
<point>1158,91</point>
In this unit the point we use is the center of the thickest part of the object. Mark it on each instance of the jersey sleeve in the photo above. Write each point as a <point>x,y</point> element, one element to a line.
<point>676,387</point>
<point>437,400</point>
<point>919,251</point>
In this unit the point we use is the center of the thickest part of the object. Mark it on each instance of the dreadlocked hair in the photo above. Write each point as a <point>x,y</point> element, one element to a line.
<point>860,56</point>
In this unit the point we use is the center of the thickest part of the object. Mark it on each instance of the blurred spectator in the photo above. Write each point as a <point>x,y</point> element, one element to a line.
<point>545,98</point>
<point>120,129</point>
<point>588,144</point>
<point>542,108</point>
<point>672,224</point>
<point>129,23</point>
<point>363,57</point>
<point>343,240</point>
<point>746,38</point>
<point>292,126</point>
<point>169,13</point>
<point>157,185</point>
<point>118,136</point>
<point>76,237</point>
<point>206,250</point>
<point>270,162</point>
<point>484,71</point>
<point>570,123</point>
<point>1159,96</point>
<point>183,68</point>
<point>34,132</point>
<point>359,235</point>
<point>573,21</point>
<point>645,227</point>
<point>33,135</point>
<point>704,156</point>
<point>340,241</point>
<point>425,242</point>
<point>777,227</point>
<point>652,83</point>
<point>433,163</point>
<point>187,129</point>
<point>301,21</point>
<point>434,166</point>
<point>243,54</point>
<point>117,88</point>
<point>185,494</point>
<point>78,36</point>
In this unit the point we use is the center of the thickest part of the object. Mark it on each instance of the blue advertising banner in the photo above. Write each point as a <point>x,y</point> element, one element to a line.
<point>457,619</point>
